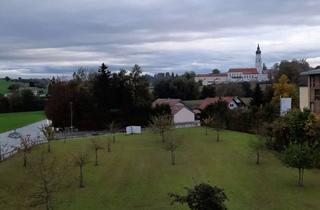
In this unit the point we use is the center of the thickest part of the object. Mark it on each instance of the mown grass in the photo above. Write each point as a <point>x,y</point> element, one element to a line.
<point>9,121</point>
<point>4,86</point>
<point>137,174</point>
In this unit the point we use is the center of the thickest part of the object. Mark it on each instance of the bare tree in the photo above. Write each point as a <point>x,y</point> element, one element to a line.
<point>171,144</point>
<point>49,133</point>
<point>113,129</point>
<point>47,177</point>
<point>96,146</point>
<point>207,122</point>
<point>109,144</point>
<point>258,147</point>
<point>161,124</point>
<point>26,146</point>
<point>80,160</point>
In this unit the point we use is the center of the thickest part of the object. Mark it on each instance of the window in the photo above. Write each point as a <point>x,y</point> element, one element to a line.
<point>317,94</point>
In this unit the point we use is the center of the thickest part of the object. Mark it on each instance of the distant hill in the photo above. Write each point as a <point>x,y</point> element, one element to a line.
<point>4,86</point>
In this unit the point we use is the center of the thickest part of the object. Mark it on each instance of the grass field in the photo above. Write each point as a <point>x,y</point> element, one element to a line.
<point>9,121</point>
<point>4,86</point>
<point>137,174</point>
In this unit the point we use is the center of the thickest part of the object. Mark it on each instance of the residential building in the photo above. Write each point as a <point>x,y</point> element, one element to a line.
<point>181,113</point>
<point>310,95</point>
<point>233,102</point>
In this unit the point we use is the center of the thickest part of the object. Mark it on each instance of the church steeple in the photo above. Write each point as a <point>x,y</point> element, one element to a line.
<point>258,60</point>
<point>258,50</point>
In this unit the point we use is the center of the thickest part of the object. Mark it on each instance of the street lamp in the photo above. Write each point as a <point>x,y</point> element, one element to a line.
<point>71,116</point>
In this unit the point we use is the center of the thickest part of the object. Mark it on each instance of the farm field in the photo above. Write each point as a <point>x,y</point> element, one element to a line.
<point>137,174</point>
<point>4,86</point>
<point>9,121</point>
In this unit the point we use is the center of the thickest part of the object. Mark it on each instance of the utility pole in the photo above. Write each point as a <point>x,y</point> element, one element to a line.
<point>71,116</point>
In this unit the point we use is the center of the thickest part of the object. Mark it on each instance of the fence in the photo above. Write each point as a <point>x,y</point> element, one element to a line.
<point>6,155</point>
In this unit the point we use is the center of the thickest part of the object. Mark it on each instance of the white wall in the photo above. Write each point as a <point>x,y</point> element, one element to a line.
<point>304,98</point>
<point>184,115</point>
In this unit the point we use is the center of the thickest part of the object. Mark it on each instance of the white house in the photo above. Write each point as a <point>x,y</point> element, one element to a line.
<point>181,113</point>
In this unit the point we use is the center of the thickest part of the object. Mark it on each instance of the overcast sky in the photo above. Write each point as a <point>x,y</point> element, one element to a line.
<point>55,37</point>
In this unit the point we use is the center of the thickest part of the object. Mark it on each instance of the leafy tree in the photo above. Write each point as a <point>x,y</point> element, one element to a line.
<point>292,70</point>
<point>284,89</point>
<point>208,122</point>
<point>215,71</point>
<point>80,160</point>
<point>202,197</point>
<point>96,146</point>
<point>219,111</point>
<point>246,87</point>
<point>161,124</point>
<point>257,96</point>
<point>299,156</point>
<point>161,109</point>
<point>49,133</point>
<point>208,91</point>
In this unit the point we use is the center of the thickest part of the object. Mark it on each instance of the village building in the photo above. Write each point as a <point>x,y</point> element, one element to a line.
<point>181,113</point>
<point>310,94</point>
<point>238,74</point>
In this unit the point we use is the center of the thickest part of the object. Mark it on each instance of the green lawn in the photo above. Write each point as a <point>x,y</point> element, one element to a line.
<point>4,86</point>
<point>9,121</point>
<point>137,174</point>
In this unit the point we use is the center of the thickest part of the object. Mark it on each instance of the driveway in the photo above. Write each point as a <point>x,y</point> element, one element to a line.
<point>8,144</point>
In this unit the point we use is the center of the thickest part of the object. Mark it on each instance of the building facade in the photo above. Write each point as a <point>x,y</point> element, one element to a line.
<point>237,74</point>
<point>310,95</point>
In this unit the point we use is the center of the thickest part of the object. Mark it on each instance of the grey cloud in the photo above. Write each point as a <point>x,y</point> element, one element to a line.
<point>49,35</point>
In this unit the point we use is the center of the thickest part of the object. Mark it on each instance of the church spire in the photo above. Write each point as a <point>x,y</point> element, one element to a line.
<point>258,50</point>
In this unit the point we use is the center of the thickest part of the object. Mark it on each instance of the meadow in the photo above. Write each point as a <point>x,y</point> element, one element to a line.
<point>9,121</point>
<point>137,174</point>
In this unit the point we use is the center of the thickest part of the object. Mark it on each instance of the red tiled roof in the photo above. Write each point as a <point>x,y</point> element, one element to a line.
<point>175,104</point>
<point>212,75</point>
<point>244,70</point>
<point>206,102</point>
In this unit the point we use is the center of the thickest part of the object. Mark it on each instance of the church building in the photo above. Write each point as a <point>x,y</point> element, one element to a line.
<point>237,74</point>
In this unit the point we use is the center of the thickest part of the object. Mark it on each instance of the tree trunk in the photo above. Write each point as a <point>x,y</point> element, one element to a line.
<point>162,136</point>
<point>81,177</point>
<point>302,174</point>
<point>258,158</point>
<point>109,147</point>
<point>299,179</point>
<point>206,130</point>
<point>96,157</point>
<point>49,146</point>
<point>218,136</point>
<point>24,159</point>
<point>173,158</point>
<point>113,138</point>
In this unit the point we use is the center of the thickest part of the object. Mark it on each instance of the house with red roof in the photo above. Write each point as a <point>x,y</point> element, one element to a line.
<point>233,102</point>
<point>181,113</point>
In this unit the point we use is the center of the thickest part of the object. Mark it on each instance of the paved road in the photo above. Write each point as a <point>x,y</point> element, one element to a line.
<point>8,144</point>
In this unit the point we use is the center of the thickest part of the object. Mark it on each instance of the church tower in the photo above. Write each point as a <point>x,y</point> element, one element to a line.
<point>258,60</point>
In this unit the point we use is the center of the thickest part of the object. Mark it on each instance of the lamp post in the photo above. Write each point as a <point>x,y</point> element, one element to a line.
<point>71,116</point>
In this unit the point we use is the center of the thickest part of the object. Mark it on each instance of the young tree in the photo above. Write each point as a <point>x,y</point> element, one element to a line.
<point>257,96</point>
<point>207,122</point>
<point>258,147</point>
<point>171,144</point>
<point>202,197</point>
<point>26,145</point>
<point>109,144</point>
<point>300,156</point>
<point>96,146</point>
<point>80,160</point>
<point>161,124</point>
<point>49,133</point>
<point>113,129</point>
<point>48,178</point>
